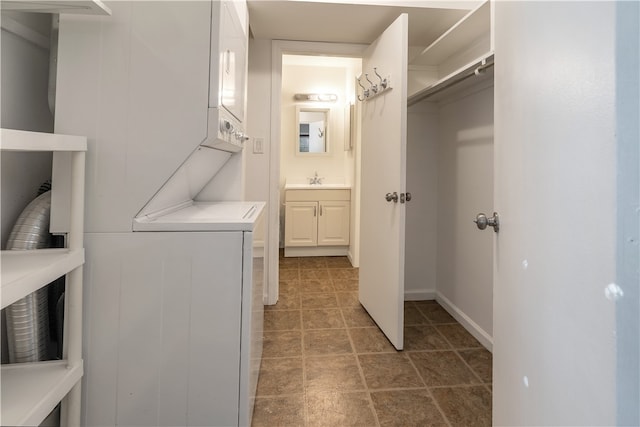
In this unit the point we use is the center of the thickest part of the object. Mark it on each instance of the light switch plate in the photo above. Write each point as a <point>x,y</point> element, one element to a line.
<point>258,145</point>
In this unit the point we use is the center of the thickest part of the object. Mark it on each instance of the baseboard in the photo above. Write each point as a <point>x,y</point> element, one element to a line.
<point>308,251</point>
<point>480,334</point>
<point>351,259</point>
<point>421,295</point>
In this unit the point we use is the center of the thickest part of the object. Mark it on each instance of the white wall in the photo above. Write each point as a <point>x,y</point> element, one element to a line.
<point>25,71</point>
<point>138,88</point>
<point>465,188</point>
<point>422,214</point>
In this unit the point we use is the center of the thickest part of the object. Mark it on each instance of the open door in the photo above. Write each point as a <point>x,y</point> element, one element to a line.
<point>382,221</point>
<point>554,329</point>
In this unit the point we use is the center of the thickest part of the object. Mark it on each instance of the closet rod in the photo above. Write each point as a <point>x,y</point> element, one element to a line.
<point>458,79</point>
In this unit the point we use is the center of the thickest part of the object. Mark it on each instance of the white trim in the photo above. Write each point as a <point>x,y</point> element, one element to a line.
<point>474,329</point>
<point>279,48</point>
<point>421,295</point>
<point>291,251</point>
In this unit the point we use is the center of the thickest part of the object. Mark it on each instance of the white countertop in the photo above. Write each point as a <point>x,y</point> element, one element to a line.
<point>328,184</point>
<point>317,187</point>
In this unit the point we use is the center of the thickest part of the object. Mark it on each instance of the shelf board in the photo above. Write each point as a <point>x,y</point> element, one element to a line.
<point>24,272</point>
<point>30,391</point>
<point>76,7</point>
<point>449,80</point>
<point>21,140</point>
<point>464,33</point>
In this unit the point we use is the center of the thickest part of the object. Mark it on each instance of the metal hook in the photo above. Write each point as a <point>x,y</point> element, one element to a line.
<point>383,82</point>
<point>374,87</point>
<point>365,91</point>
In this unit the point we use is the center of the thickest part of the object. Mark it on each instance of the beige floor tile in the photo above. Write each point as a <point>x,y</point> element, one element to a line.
<point>288,263</point>
<point>348,299</point>
<point>425,302</point>
<point>344,273</point>
<point>281,320</point>
<point>285,286</point>
<point>370,340</point>
<point>332,409</point>
<point>314,274</point>
<point>332,373</point>
<point>289,300</point>
<point>319,300</point>
<point>279,411</point>
<point>292,274</point>
<point>357,317</point>
<point>345,285</point>
<point>458,336</point>
<point>413,316</point>
<point>312,262</point>
<point>280,376</point>
<point>338,262</point>
<point>389,370</point>
<point>406,408</point>
<point>326,341</point>
<point>435,313</point>
<point>324,318</point>
<point>465,406</point>
<point>481,361</point>
<point>308,286</point>
<point>282,344</point>
<point>423,337</point>
<point>442,368</point>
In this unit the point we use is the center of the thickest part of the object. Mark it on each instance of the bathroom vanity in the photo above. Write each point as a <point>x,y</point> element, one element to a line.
<point>317,219</point>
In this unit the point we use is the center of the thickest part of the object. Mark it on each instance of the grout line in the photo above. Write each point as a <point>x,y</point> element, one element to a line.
<point>433,398</point>
<point>305,410</point>
<point>473,371</point>
<point>362,377</point>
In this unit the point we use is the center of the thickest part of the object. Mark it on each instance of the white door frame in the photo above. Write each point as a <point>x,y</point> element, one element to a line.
<point>279,48</point>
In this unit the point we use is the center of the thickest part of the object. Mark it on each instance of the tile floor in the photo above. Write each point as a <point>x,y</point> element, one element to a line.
<point>326,363</point>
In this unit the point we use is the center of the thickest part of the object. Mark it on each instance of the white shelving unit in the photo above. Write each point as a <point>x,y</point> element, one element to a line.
<point>455,54</point>
<point>78,7</point>
<point>30,391</point>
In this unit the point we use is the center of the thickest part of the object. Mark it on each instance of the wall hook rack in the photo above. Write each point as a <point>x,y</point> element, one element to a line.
<point>374,89</point>
<point>365,91</point>
<point>383,82</point>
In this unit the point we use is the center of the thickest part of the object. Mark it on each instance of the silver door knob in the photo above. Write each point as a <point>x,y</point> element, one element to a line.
<point>392,197</point>
<point>482,221</point>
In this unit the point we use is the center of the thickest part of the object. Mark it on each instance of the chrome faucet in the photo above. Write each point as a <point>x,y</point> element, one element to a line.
<point>316,180</point>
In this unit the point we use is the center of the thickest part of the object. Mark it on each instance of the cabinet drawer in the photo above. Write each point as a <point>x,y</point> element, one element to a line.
<point>315,195</point>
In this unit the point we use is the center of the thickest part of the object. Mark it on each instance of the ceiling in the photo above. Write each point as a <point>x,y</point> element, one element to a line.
<point>354,22</point>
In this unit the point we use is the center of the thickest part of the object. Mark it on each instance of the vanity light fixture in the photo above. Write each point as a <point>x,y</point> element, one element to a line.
<point>316,97</point>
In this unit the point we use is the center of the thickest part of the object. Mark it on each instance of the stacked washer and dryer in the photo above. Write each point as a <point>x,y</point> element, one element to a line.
<point>174,267</point>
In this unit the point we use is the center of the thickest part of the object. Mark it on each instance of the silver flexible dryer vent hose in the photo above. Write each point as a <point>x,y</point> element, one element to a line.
<point>27,319</point>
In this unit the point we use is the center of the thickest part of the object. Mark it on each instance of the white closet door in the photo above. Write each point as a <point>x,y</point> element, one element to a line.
<point>554,337</point>
<point>382,222</point>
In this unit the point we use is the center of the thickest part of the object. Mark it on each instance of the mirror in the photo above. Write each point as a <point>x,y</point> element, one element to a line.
<point>312,130</point>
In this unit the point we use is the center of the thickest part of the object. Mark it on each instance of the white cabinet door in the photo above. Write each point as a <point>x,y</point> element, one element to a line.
<point>333,223</point>
<point>382,223</point>
<point>301,224</point>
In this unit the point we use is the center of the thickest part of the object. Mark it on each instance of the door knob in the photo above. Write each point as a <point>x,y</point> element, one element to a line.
<point>482,221</point>
<point>392,196</point>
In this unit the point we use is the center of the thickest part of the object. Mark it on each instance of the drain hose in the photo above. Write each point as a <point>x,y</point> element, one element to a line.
<point>27,318</point>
